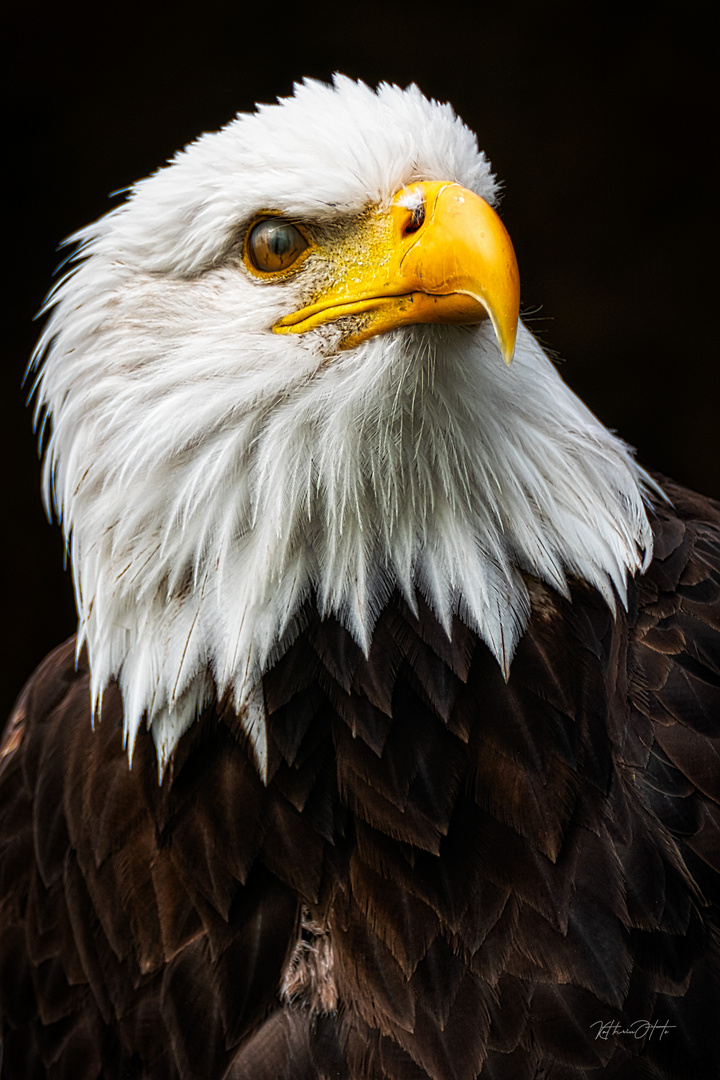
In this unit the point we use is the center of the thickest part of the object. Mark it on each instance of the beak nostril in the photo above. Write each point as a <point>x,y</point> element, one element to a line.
<point>416,220</point>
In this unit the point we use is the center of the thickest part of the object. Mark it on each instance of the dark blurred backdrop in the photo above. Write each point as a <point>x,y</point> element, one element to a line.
<point>601,121</point>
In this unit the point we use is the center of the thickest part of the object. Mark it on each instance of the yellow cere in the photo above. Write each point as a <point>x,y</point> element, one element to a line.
<point>439,253</point>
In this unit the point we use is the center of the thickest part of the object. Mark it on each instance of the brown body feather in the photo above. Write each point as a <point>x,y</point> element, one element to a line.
<point>446,876</point>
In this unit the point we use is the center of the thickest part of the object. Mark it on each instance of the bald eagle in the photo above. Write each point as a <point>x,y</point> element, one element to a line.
<point>387,748</point>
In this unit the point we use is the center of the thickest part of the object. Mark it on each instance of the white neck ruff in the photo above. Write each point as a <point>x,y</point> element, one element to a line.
<point>419,461</point>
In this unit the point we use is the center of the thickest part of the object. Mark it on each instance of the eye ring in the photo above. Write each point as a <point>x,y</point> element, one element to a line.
<point>273,245</point>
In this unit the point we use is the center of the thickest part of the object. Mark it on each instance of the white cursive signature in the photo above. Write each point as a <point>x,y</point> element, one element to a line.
<point>638,1029</point>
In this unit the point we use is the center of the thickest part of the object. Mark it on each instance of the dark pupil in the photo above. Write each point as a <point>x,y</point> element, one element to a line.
<point>279,240</point>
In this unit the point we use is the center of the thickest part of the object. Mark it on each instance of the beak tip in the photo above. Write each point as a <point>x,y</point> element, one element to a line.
<point>506,337</point>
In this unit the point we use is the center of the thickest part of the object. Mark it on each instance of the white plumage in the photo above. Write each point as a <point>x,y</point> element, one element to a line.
<point>210,474</point>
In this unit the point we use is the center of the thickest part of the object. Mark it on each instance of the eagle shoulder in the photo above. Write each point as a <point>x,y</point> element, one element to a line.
<point>132,916</point>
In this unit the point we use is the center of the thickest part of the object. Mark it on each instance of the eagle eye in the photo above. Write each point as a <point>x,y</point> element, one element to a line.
<point>273,245</point>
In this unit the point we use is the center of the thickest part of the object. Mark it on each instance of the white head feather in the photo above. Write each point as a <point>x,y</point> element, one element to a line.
<point>211,475</point>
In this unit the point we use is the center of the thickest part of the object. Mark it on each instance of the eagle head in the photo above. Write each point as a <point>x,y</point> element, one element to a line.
<point>274,378</point>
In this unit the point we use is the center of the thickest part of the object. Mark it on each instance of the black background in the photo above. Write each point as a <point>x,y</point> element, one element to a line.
<point>601,121</point>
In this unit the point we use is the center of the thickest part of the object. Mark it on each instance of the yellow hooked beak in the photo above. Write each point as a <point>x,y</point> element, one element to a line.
<point>440,253</point>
